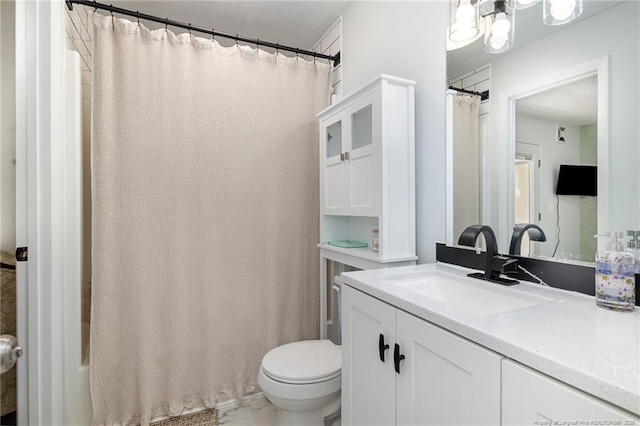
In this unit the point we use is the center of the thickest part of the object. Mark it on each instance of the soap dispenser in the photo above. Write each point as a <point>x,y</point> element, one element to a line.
<point>615,280</point>
<point>633,247</point>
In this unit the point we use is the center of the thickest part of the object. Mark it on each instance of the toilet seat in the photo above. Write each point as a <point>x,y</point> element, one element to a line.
<point>305,362</point>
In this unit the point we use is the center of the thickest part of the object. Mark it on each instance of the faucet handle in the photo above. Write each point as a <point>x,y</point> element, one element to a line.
<point>505,265</point>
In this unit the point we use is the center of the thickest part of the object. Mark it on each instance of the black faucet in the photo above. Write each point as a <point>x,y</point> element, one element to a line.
<point>494,263</point>
<point>535,234</point>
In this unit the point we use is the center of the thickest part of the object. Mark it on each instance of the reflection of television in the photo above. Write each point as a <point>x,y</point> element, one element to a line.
<point>577,180</point>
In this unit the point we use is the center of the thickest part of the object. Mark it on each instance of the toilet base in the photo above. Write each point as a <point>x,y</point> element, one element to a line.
<point>329,415</point>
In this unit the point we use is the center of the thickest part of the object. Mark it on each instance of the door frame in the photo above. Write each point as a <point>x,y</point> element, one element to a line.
<point>40,214</point>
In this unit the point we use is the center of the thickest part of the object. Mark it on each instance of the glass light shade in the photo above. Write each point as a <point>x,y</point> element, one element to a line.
<point>464,21</point>
<point>453,45</point>
<point>558,12</point>
<point>523,4</point>
<point>501,34</point>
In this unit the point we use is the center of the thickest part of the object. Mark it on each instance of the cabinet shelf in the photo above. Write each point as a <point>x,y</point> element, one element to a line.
<point>365,253</point>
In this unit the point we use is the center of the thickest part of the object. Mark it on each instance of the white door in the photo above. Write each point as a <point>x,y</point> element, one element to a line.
<point>444,379</point>
<point>368,382</point>
<point>12,273</point>
<point>78,398</point>
<point>528,396</point>
<point>48,182</point>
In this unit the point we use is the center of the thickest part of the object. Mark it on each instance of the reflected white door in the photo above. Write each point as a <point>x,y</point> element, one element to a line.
<point>526,198</point>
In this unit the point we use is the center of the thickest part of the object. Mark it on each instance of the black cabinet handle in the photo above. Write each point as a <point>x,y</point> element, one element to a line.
<point>382,347</point>
<point>397,357</point>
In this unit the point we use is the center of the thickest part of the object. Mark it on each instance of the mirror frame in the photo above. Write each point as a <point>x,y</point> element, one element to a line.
<point>506,103</point>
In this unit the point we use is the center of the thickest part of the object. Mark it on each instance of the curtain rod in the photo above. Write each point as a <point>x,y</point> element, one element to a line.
<point>166,21</point>
<point>484,95</point>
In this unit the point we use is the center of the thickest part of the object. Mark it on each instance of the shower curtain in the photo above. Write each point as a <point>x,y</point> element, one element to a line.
<point>466,163</point>
<point>205,216</point>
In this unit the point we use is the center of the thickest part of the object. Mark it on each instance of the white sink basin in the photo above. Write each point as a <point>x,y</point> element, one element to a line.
<point>477,298</point>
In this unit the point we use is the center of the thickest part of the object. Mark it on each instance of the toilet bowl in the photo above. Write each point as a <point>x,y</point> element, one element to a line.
<point>303,379</point>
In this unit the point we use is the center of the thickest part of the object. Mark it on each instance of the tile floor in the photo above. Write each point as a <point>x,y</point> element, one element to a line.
<point>257,412</point>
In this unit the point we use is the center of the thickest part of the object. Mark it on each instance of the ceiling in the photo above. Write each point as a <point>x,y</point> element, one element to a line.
<point>574,103</point>
<point>528,28</point>
<point>293,23</point>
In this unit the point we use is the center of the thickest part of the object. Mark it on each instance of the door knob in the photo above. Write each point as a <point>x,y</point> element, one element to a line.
<point>10,351</point>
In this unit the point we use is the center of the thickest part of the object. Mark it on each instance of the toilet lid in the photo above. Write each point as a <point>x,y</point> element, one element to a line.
<point>306,361</point>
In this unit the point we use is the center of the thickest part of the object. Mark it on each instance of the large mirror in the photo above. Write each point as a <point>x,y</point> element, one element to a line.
<point>562,98</point>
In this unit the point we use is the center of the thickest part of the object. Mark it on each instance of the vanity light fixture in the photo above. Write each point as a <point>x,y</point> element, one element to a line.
<point>495,19</point>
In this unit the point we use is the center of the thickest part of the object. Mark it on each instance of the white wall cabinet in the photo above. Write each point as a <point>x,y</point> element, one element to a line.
<point>442,379</point>
<point>367,168</point>
<point>350,158</point>
<point>528,396</point>
<point>367,181</point>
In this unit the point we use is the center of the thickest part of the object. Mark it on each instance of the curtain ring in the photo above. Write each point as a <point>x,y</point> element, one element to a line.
<point>138,16</point>
<point>189,29</point>
<point>95,6</point>
<point>112,21</point>
<point>277,48</point>
<point>257,44</point>
<point>213,35</point>
<point>297,52</point>
<point>237,37</point>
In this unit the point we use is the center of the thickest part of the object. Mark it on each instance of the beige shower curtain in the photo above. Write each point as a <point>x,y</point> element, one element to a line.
<point>205,217</point>
<point>466,163</point>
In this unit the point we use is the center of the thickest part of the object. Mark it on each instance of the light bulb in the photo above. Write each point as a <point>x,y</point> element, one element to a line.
<point>562,9</point>
<point>498,42</point>
<point>464,28</point>
<point>465,12</point>
<point>501,25</point>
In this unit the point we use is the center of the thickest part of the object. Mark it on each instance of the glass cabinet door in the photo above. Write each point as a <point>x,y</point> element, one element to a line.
<point>334,139</point>
<point>362,128</point>
<point>334,196</point>
<point>364,167</point>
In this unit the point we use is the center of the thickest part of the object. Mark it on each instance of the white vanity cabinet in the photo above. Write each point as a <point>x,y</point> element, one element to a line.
<point>442,379</point>
<point>528,395</point>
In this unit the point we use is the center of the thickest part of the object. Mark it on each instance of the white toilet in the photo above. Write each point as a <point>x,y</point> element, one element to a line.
<point>303,380</point>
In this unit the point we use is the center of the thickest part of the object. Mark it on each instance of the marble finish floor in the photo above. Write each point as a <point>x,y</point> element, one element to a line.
<point>257,412</point>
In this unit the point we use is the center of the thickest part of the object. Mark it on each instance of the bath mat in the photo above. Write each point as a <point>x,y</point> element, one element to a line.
<point>202,418</point>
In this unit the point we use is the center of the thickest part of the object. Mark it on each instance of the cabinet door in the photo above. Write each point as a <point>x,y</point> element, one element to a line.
<point>334,174</point>
<point>444,379</point>
<point>368,384</point>
<point>528,396</point>
<point>363,152</point>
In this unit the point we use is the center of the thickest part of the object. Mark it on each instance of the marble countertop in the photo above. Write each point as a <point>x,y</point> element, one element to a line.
<point>564,334</point>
